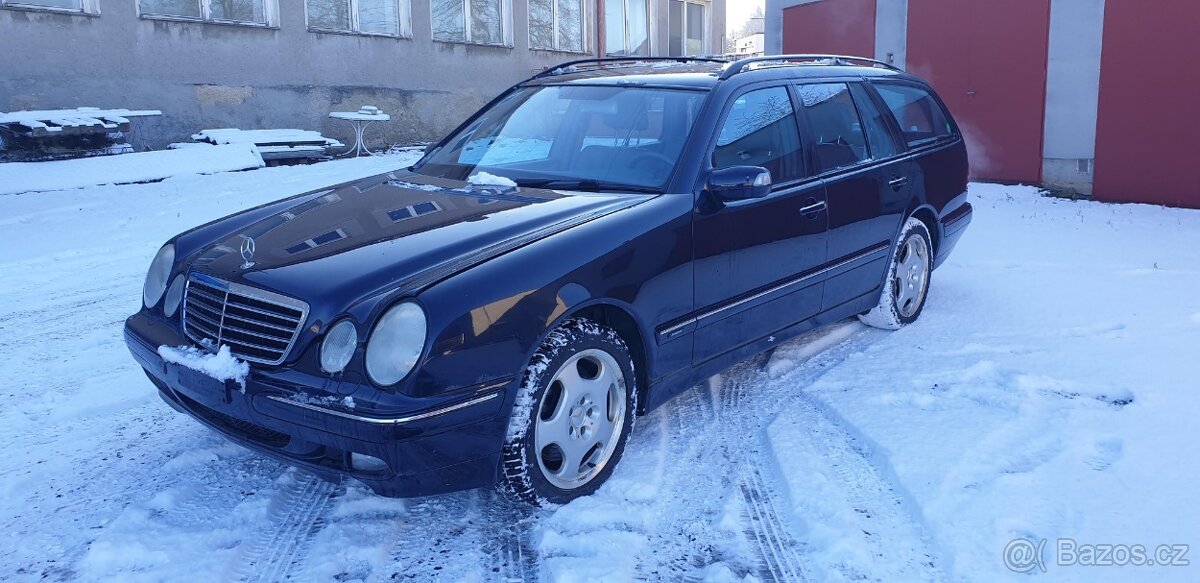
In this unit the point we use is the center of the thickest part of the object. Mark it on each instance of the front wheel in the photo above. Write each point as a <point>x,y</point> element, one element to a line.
<point>907,284</point>
<point>572,415</point>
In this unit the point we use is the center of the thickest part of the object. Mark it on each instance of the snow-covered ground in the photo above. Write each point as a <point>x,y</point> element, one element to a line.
<point>25,177</point>
<point>1048,392</point>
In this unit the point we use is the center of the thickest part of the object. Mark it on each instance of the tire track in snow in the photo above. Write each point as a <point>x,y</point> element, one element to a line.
<point>715,437</point>
<point>465,535</point>
<point>514,555</point>
<point>777,549</point>
<point>726,461</point>
<point>893,536</point>
<point>687,541</point>
<point>296,519</point>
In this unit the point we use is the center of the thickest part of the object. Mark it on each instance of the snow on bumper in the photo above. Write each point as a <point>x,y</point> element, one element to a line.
<point>221,366</point>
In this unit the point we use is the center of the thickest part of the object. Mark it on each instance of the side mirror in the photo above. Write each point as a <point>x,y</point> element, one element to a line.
<point>740,182</point>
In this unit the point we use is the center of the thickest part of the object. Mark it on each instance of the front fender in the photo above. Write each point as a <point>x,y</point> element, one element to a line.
<point>486,323</point>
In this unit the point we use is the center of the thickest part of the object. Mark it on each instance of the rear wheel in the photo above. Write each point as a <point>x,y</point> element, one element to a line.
<point>907,285</point>
<point>572,415</point>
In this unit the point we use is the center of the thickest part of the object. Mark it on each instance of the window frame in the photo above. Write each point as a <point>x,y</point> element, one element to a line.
<point>705,27</point>
<point>403,17</point>
<point>897,129</point>
<point>804,162</point>
<point>506,26</point>
<point>270,15</point>
<point>650,43</point>
<point>585,17</point>
<point>87,7</point>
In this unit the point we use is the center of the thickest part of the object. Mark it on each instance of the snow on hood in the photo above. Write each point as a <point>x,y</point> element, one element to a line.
<point>486,179</point>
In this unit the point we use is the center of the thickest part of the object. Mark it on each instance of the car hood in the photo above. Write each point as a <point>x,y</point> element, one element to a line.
<point>399,230</point>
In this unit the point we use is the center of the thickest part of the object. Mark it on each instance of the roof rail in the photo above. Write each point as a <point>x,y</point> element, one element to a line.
<point>600,63</point>
<point>840,60</point>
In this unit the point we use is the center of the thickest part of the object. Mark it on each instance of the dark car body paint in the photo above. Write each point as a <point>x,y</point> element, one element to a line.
<point>496,269</point>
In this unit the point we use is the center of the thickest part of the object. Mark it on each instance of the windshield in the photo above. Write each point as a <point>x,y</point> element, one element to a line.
<point>574,138</point>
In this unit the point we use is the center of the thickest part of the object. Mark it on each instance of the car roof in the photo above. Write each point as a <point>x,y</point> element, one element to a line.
<point>706,73</point>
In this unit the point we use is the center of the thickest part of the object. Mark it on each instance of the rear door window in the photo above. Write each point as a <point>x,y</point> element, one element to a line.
<point>879,136</point>
<point>919,115</point>
<point>760,130</point>
<point>836,129</point>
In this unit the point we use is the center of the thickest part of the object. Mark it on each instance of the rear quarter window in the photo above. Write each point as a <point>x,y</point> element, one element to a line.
<point>920,117</point>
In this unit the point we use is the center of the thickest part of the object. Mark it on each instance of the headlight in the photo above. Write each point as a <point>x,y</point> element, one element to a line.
<point>174,294</point>
<point>156,277</point>
<point>396,343</point>
<point>338,347</point>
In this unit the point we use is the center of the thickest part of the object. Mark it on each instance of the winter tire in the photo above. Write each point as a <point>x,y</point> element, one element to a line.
<point>907,284</point>
<point>572,415</point>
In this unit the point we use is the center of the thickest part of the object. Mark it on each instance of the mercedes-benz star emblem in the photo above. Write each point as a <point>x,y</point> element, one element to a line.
<point>247,252</point>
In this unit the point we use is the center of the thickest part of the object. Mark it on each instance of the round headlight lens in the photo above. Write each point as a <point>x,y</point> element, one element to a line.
<point>338,347</point>
<point>174,294</point>
<point>156,277</point>
<point>396,343</point>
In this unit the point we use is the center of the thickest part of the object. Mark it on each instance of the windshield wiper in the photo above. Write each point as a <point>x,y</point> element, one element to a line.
<point>587,185</point>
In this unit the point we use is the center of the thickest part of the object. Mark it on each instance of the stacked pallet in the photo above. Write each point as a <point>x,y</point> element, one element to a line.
<point>67,133</point>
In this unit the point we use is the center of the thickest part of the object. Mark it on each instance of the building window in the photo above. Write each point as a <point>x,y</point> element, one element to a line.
<point>484,22</point>
<point>251,12</point>
<point>686,27</point>
<point>627,24</point>
<point>74,6</point>
<point>556,25</point>
<point>382,17</point>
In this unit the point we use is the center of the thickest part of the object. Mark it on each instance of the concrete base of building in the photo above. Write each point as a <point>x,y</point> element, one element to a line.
<point>1074,175</point>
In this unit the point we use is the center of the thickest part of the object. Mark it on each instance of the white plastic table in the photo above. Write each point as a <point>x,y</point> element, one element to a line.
<point>360,120</point>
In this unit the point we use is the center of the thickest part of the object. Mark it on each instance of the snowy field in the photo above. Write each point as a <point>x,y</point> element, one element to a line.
<point>1049,391</point>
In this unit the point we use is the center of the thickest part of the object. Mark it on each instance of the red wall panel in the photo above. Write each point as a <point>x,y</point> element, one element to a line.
<point>840,27</point>
<point>987,60</point>
<point>1148,129</point>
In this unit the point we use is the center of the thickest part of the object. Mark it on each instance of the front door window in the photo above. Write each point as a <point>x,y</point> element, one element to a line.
<point>760,130</point>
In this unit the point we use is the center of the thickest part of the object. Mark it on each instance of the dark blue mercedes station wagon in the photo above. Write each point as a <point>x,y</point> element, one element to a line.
<point>597,239</point>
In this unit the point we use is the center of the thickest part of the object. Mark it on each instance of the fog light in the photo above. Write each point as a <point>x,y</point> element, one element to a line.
<point>362,462</point>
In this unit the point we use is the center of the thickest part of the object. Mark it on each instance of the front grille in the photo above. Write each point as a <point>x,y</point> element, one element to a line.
<point>257,325</point>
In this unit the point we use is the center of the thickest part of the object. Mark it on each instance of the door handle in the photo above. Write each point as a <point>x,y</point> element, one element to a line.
<point>898,182</point>
<point>812,206</point>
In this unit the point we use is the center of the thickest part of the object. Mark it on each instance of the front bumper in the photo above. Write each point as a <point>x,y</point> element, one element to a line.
<point>427,446</point>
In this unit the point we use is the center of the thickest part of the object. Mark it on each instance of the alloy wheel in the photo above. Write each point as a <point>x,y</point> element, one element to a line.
<point>580,419</point>
<point>912,270</point>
